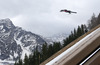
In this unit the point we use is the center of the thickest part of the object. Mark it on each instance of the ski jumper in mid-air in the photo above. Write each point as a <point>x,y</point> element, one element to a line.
<point>67,11</point>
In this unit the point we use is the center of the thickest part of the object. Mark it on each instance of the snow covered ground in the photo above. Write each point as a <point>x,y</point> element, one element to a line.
<point>25,50</point>
<point>6,62</point>
<point>94,33</point>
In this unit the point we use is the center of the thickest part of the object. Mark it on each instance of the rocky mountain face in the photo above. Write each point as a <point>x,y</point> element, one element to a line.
<point>16,42</point>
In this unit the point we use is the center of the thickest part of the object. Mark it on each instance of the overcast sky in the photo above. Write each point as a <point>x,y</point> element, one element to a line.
<point>43,16</point>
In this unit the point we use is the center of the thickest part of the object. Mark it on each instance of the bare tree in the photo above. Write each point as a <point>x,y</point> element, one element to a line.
<point>92,22</point>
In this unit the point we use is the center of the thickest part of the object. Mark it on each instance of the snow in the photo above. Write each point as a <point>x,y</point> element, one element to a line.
<point>0,51</point>
<point>3,30</point>
<point>11,57</point>
<point>30,38</point>
<point>71,48</point>
<point>24,50</point>
<point>27,40</point>
<point>1,27</point>
<point>5,36</point>
<point>7,21</point>
<point>6,62</point>
<point>15,55</point>
<point>1,64</point>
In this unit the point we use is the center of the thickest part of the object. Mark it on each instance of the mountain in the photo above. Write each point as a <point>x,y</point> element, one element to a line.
<point>57,38</point>
<point>16,42</point>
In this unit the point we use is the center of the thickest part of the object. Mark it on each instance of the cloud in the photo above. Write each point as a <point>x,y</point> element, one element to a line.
<point>43,17</point>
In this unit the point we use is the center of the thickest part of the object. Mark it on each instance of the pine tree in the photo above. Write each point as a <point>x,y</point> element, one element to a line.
<point>31,59</point>
<point>20,62</point>
<point>78,31</point>
<point>37,56</point>
<point>82,29</point>
<point>75,34</point>
<point>15,63</point>
<point>98,19</point>
<point>44,51</point>
<point>50,50</point>
<point>26,60</point>
<point>92,22</point>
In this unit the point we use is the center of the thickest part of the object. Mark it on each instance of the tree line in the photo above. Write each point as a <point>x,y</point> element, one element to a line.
<point>48,50</point>
<point>94,21</point>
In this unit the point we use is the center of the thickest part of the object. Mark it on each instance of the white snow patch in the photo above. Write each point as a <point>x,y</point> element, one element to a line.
<point>3,61</point>
<point>0,51</point>
<point>1,64</point>
<point>15,55</point>
<point>1,27</point>
<point>3,30</point>
<point>11,57</point>
<point>24,50</point>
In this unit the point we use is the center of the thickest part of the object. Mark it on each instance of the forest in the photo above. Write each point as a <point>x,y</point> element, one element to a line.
<point>48,50</point>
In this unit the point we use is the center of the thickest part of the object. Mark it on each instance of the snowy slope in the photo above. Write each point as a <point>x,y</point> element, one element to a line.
<point>16,42</point>
<point>6,62</point>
